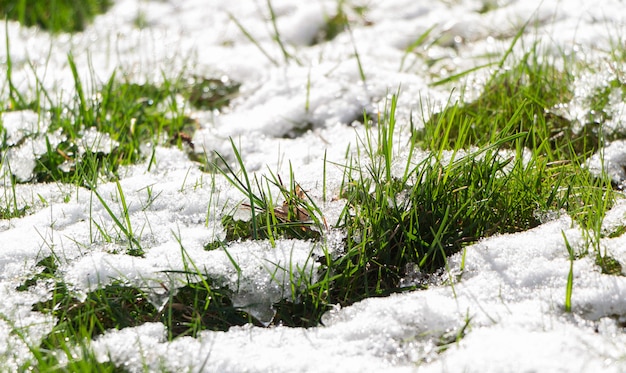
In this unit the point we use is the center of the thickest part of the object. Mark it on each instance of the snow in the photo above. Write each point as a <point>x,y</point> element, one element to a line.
<point>511,291</point>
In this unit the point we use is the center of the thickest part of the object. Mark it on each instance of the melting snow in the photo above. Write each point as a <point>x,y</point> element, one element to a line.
<point>509,297</point>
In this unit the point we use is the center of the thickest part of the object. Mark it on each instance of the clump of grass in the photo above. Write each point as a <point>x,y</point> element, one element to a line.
<point>201,306</point>
<point>515,100</point>
<point>209,93</point>
<point>9,208</point>
<point>130,114</point>
<point>78,322</point>
<point>114,306</point>
<point>495,165</point>
<point>434,210</point>
<point>125,115</point>
<point>270,227</point>
<point>54,15</point>
<point>297,217</point>
<point>201,303</point>
<point>48,267</point>
<point>198,305</point>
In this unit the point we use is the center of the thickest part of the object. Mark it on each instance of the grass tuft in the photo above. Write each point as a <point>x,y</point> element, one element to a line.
<point>48,267</point>
<point>498,164</point>
<point>54,15</point>
<point>515,100</point>
<point>297,217</point>
<point>114,306</point>
<point>395,222</point>
<point>110,127</point>
<point>202,306</point>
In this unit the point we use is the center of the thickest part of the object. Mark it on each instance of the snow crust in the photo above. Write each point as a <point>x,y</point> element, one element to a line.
<point>508,298</point>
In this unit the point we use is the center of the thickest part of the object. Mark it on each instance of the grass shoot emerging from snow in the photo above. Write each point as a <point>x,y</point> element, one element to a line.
<point>297,217</point>
<point>127,116</point>
<point>501,163</point>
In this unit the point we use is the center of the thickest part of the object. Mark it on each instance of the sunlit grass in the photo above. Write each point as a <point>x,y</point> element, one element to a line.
<point>502,163</point>
<point>110,127</point>
<point>492,167</point>
<point>54,15</point>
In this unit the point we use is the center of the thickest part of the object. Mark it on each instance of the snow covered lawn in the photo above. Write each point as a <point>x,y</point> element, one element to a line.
<point>499,306</point>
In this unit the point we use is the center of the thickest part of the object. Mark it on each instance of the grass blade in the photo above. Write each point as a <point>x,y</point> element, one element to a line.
<point>253,40</point>
<point>17,101</point>
<point>126,229</point>
<point>570,275</point>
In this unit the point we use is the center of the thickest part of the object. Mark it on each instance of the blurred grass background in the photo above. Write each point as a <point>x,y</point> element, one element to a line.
<point>54,15</point>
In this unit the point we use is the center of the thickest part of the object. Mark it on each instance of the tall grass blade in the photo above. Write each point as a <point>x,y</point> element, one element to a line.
<point>457,76</point>
<point>253,40</point>
<point>286,55</point>
<point>126,229</point>
<point>78,85</point>
<point>418,42</point>
<point>16,99</point>
<point>247,189</point>
<point>357,55</point>
<point>570,275</point>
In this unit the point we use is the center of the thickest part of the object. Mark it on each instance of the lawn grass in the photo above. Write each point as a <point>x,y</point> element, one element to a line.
<point>519,100</point>
<point>120,118</point>
<point>54,15</point>
<point>498,164</point>
<point>298,216</point>
<point>8,203</point>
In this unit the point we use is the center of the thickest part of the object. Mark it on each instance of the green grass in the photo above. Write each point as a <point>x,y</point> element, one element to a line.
<point>570,275</point>
<point>130,114</point>
<point>193,307</point>
<point>497,164</point>
<point>297,217</point>
<point>8,201</point>
<point>124,224</point>
<point>201,306</point>
<point>54,15</point>
<point>113,306</point>
<point>48,266</point>
<point>439,206</point>
<point>515,100</point>
<point>338,21</point>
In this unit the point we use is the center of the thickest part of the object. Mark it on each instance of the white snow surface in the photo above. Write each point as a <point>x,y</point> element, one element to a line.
<point>508,299</point>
